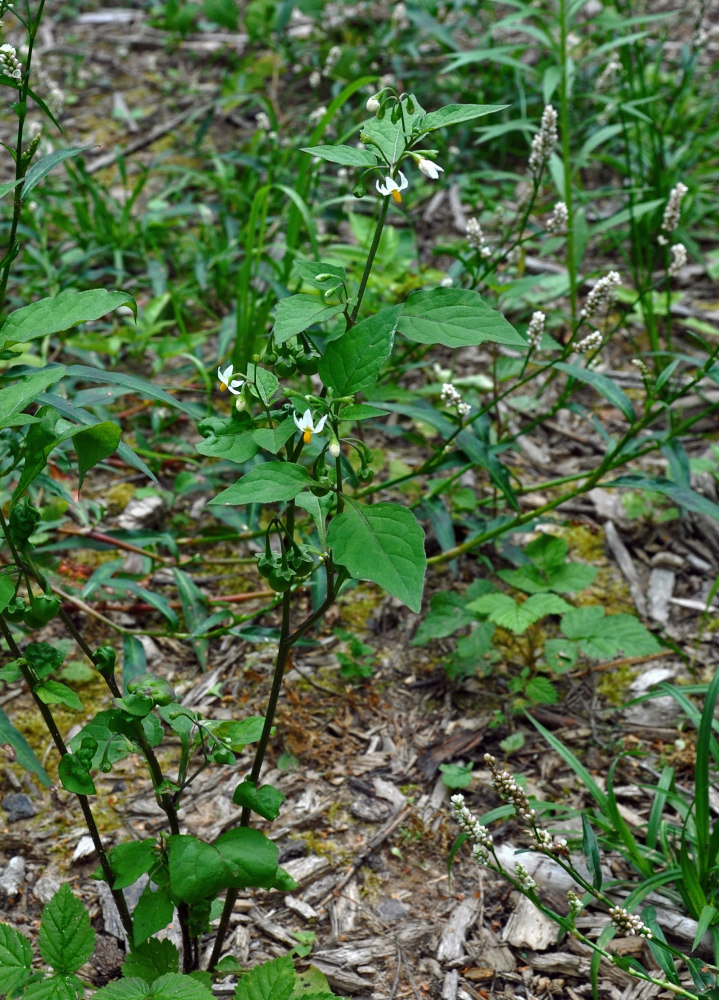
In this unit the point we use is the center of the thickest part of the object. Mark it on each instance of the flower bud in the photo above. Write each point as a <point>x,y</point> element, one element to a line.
<point>334,448</point>
<point>373,105</point>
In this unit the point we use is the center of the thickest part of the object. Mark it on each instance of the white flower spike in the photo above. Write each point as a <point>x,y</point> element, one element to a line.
<point>391,186</point>
<point>429,168</point>
<point>234,385</point>
<point>307,425</point>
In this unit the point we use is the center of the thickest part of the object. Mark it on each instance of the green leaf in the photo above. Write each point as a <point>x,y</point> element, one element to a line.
<point>61,987</point>
<point>319,274</point>
<point>236,732</point>
<point>263,382</point>
<point>265,800</point>
<point>605,387</point>
<point>16,395</point>
<point>197,870</point>
<point>251,857</point>
<point>541,691</point>
<point>271,482</point>
<point>448,612</point>
<point>7,590</point>
<point>94,444</point>
<point>564,580</point>
<point>507,613</point>
<point>154,912</point>
<point>590,848</point>
<point>151,960</point>
<point>353,362</point>
<point>75,775</point>
<point>42,167</point>
<point>132,383</point>
<point>15,960</point>
<point>560,654</point>
<point>171,986</point>
<point>391,137</point>
<point>605,637</point>
<point>454,317</point>
<point>457,775</point>
<point>66,939</point>
<point>225,439</point>
<point>346,156</point>
<point>194,610</point>
<point>273,438</point>
<point>453,114</point>
<point>131,860</point>
<point>382,543</point>
<point>57,693</point>
<point>270,981</point>
<point>296,313</point>
<point>24,752</point>
<point>682,496</point>
<point>58,313</point>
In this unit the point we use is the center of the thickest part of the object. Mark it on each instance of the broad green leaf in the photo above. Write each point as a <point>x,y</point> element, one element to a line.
<point>7,590</point>
<point>271,439</point>
<point>24,753</point>
<point>237,733</point>
<point>39,442</point>
<point>56,693</point>
<point>311,985</point>
<point>319,274</point>
<point>682,496</point>
<point>75,776</point>
<point>171,986</point>
<point>346,156</point>
<point>382,543</point>
<point>264,383</point>
<point>269,981</point>
<point>353,362</point>
<point>15,960</point>
<point>265,800</point>
<point>448,612</point>
<point>130,860</point>
<point>94,444</point>
<point>361,411</point>
<point>16,394</point>
<point>59,987</point>
<point>507,613</point>
<point>390,136</point>
<point>296,313</point>
<point>59,313</point>
<point>66,939</point>
<point>226,440</point>
<point>454,317</point>
<point>565,579</point>
<point>197,870</point>
<point>453,114</point>
<point>560,654</point>
<point>271,482</point>
<point>605,387</point>
<point>603,637</point>
<point>251,857</point>
<point>41,168</point>
<point>151,960</point>
<point>154,912</point>
<point>540,691</point>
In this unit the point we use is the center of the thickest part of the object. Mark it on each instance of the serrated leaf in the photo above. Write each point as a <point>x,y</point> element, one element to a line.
<point>66,939</point>
<point>63,987</point>
<point>171,986</point>
<point>507,613</point>
<point>61,312</point>
<point>346,156</point>
<point>94,444</point>
<point>454,317</point>
<point>560,655</point>
<point>15,960</point>
<point>24,752</point>
<point>296,313</point>
<point>453,114</point>
<point>151,960</point>
<point>270,981</point>
<point>605,387</point>
<point>603,637</point>
<point>352,363</point>
<point>541,691</point>
<point>564,580</point>
<point>265,800</point>
<point>311,985</point>
<point>271,482</point>
<point>382,543</point>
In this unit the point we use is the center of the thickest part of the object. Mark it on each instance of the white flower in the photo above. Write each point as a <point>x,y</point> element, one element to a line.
<point>679,258</point>
<point>373,104</point>
<point>228,382</point>
<point>429,168</point>
<point>307,425</point>
<point>535,330</point>
<point>544,141</point>
<point>390,186</point>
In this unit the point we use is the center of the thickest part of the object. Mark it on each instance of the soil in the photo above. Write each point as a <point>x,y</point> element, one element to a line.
<point>366,829</point>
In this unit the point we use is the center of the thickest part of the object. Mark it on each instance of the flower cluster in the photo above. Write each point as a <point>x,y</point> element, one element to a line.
<point>548,844</point>
<point>525,880</point>
<point>478,835</point>
<point>452,397</point>
<point>590,343</point>
<point>608,75</point>
<point>628,923</point>
<point>602,295</point>
<point>535,330</point>
<point>10,65</point>
<point>475,237</point>
<point>544,141</point>
<point>575,903</point>
<point>679,258</point>
<point>508,789</point>
<point>672,211</point>
<point>559,219</point>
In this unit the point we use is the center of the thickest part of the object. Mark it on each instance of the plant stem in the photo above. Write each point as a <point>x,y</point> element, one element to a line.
<point>564,107</point>
<point>370,258</point>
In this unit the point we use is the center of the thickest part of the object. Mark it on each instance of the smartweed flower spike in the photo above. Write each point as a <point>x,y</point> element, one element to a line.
<point>478,835</point>
<point>429,168</point>
<point>306,425</point>
<point>508,789</point>
<point>558,220</point>
<point>535,330</point>
<point>390,186</point>
<point>234,385</point>
<point>590,343</point>
<point>602,295</point>
<point>628,923</point>
<point>475,237</point>
<point>10,65</point>
<point>544,141</point>
<point>672,211</point>
<point>679,258</point>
